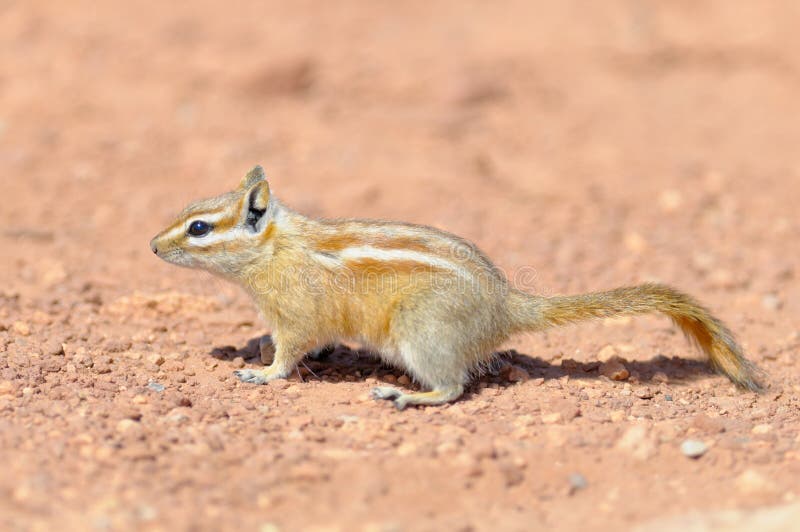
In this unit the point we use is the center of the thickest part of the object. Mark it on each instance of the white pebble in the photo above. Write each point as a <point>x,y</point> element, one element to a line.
<point>693,448</point>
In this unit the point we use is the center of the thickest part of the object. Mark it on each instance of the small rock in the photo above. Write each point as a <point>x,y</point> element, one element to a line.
<point>406,449</point>
<point>577,482</point>
<point>156,387</point>
<point>116,345</point>
<point>771,302</point>
<point>6,388</point>
<point>238,362</point>
<point>762,428</point>
<point>156,358</point>
<point>52,348</point>
<point>403,380</point>
<point>295,76</point>
<point>131,413</point>
<point>617,415</point>
<point>21,328</point>
<point>124,425</point>
<point>552,417</point>
<point>447,447</point>
<point>83,359</point>
<point>693,448</point>
<point>643,393</point>
<point>614,369</point>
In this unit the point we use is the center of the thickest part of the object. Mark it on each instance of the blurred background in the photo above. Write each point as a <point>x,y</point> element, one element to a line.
<point>599,143</point>
<point>596,143</point>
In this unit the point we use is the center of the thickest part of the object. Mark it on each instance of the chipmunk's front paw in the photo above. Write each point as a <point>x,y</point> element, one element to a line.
<point>251,376</point>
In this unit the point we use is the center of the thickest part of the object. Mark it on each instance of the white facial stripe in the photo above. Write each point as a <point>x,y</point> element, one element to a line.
<point>388,255</point>
<point>215,238</point>
<point>210,218</point>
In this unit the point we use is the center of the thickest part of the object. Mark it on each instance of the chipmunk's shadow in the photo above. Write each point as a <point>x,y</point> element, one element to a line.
<point>341,362</point>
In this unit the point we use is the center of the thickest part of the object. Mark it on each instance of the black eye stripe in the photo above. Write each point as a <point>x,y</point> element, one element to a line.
<point>199,228</point>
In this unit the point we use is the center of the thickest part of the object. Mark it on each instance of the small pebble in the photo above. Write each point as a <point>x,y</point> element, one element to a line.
<point>21,328</point>
<point>644,393</point>
<point>552,417</point>
<point>6,388</point>
<point>771,302</point>
<point>693,448</point>
<point>156,359</point>
<point>762,428</point>
<point>577,482</point>
<point>156,387</point>
<point>403,380</point>
<point>615,370</point>
<point>124,425</point>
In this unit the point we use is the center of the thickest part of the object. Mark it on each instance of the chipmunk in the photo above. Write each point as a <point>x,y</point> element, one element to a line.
<point>423,299</point>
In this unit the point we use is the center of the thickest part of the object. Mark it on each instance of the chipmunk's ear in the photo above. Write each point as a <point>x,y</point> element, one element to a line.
<point>253,176</point>
<point>256,204</point>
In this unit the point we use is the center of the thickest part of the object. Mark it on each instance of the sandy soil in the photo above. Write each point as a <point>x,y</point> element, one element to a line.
<point>580,148</point>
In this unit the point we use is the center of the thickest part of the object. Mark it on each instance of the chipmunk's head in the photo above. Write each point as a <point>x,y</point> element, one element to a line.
<point>223,234</point>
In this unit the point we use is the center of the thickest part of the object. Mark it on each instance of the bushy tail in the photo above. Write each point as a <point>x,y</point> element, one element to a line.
<point>711,335</point>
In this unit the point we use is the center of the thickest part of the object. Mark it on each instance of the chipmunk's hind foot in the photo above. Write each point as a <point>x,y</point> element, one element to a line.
<point>401,400</point>
<point>385,392</point>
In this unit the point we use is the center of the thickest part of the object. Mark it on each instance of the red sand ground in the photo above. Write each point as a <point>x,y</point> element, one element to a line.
<point>582,147</point>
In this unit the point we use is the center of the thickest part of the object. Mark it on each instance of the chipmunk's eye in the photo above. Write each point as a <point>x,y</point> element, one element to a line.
<point>199,228</point>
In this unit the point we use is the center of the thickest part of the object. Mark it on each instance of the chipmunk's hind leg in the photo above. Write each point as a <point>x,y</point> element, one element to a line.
<point>436,368</point>
<point>401,400</point>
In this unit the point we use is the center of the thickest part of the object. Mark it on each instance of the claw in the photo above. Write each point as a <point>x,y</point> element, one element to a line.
<point>250,376</point>
<point>385,392</point>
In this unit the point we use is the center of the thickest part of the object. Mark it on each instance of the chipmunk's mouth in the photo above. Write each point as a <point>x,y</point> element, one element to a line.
<point>173,256</point>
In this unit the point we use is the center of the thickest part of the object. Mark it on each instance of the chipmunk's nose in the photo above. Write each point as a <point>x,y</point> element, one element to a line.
<point>153,246</point>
